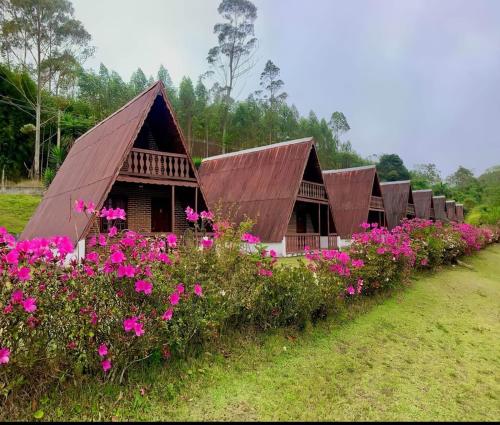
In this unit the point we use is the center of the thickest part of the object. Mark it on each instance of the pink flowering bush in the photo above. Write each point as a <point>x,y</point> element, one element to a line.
<point>134,297</point>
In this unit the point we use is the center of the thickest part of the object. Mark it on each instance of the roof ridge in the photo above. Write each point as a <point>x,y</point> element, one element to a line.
<point>341,170</point>
<point>396,182</point>
<point>120,109</point>
<point>259,148</point>
<point>423,190</point>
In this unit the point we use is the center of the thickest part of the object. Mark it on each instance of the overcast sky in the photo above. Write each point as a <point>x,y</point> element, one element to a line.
<point>416,78</point>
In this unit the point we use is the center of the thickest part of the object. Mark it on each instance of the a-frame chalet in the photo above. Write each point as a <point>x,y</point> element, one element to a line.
<point>135,159</point>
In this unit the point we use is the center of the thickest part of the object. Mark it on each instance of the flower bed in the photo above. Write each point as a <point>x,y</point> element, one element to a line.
<point>134,297</point>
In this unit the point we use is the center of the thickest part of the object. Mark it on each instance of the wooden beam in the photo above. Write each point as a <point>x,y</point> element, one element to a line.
<point>173,209</point>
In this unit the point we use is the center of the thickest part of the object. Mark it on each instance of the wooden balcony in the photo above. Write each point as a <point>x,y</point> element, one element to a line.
<point>410,209</point>
<point>312,191</point>
<point>333,242</point>
<point>157,165</point>
<point>376,203</point>
<point>296,243</point>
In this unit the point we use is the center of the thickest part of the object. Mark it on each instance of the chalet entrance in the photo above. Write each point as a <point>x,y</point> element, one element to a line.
<point>161,215</point>
<point>311,225</point>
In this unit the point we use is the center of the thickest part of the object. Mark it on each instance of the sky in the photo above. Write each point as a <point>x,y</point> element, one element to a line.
<point>420,78</point>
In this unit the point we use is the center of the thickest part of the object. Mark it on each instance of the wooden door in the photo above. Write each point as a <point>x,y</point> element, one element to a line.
<point>161,215</point>
<point>301,219</point>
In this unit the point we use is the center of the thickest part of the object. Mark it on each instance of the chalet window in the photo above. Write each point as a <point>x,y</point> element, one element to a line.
<point>115,201</point>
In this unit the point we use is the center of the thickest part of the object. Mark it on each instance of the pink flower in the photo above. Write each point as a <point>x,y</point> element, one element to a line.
<point>424,262</point>
<point>79,205</point>
<point>132,324</point>
<point>174,298</point>
<point>92,241</point>
<point>126,271</point>
<point>172,240</point>
<point>4,355</point>
<point>168,314</point>
<point>198,290</point>
<point>102,240</point>
<point>365,225</point>
<point>144,286</point>
<point>249,238</point>
<point>272,253</point>
<point>29,305</point>
<point>103,350</point>
<point>89,271</point>
<point>12,257</point>
<point>180,288</point>
<point>191,215</point>
<point>17,297</point>
<point>90,207</point>
<point>117,257</point>
<point>207,215</point>
<point>112,231</point>
<point>93,257</point>
<point>357,264</point>
<point>106,365</point>
<point>206,242</point>
<point>350,290</point>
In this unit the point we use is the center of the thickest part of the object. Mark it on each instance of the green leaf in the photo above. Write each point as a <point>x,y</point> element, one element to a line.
<point>39,414</point>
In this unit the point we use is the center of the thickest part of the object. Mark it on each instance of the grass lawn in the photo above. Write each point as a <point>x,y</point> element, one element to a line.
<point>16,210</point>
<point>429,352</point>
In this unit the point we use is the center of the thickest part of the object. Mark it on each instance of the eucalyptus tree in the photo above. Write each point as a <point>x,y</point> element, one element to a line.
<point>273,97</point>
<point>44,38</point>
<point>232,58</point>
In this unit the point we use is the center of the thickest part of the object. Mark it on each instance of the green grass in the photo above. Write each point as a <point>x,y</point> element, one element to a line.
<point>429,352</point>
<point>16,210</point>
<point>291,261</point>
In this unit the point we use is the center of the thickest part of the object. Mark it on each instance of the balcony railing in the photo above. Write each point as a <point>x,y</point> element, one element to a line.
<point>376,203</point>
<point>410,209</point>
<point>332,242</point>
<point>312,190</point>
<point>296,243</point>
<point>157,165</point>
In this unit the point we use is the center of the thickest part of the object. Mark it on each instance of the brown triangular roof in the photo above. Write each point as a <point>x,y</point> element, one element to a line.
<point>423,203</point>
<point>450,210</point>
<point>459,208</point>
<point>261,183</point>
<point>92,166</point>
<point>397,195</point>
<point>440,208</point>
<point>349,192</point>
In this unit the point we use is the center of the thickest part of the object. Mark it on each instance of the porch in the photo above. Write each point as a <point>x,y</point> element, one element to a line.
<point>410,210</point>
<point>311,224</point>
<point>152,209</point>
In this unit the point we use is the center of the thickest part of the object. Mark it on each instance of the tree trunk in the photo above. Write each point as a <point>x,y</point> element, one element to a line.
<point>36,173</point>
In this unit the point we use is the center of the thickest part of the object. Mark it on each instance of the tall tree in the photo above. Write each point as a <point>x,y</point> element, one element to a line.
<point>391,168</point>
<point>425,176</point>
<point>138,81</point>
<point>272,85</point>
<point>164,76</point>
<point>41,36</point>
<point>232,58</point>
<point>187,107</point>
<point>339,125</point>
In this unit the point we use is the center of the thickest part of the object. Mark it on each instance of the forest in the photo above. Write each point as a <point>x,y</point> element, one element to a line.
<point>48,98</point>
